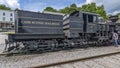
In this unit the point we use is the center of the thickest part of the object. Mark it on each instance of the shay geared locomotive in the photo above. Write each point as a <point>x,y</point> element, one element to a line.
<point>40,32</point>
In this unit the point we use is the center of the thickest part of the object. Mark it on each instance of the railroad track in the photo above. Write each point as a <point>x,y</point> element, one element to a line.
<point>75,60</point>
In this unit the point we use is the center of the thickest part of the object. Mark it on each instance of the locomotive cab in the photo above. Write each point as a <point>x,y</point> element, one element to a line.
<point>80,24</point>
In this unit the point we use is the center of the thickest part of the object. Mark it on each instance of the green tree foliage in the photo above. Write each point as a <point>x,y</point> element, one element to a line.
<point>92,7</point>
<point>79,9</point>
<point>73,8</point>
<point>101,12</point>
<point>3,7</point>
<point>118,13</point>
<point>68,10</point>
<point>50,9</point>
<point>65,10</point>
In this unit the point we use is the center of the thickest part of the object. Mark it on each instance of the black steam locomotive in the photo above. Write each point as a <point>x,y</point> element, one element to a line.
<point>36,31</point>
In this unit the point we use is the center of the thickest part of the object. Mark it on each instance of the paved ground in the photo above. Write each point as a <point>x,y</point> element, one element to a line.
<point>105,62</point>
<point>26,61</point>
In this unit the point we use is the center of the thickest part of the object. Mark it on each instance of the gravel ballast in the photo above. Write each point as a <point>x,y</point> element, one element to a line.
<point>26,61</point>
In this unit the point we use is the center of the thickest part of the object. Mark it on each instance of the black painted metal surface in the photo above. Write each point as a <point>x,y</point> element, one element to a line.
<point>39,23</point>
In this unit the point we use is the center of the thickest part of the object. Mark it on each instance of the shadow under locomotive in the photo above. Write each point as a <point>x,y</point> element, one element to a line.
<point>41,32</point>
